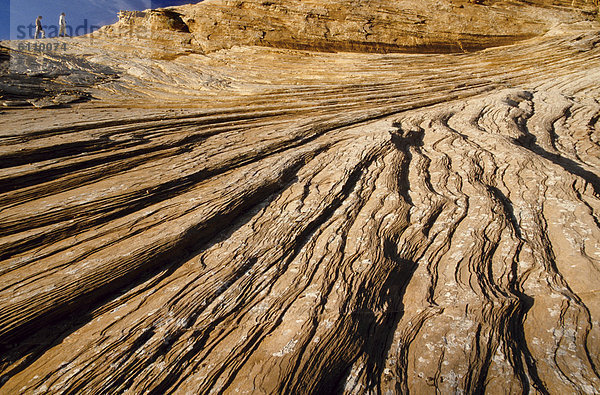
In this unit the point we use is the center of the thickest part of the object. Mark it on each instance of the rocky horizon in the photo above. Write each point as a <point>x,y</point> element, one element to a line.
<point>284,196</point>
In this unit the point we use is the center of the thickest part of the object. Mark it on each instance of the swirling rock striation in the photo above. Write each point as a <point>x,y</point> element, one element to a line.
<point>233,215</point>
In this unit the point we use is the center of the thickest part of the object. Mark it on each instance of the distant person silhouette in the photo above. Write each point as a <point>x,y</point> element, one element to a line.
<point>62,25</point>
<point>38,28</point>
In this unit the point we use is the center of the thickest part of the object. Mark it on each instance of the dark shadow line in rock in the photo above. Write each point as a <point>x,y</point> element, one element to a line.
<point>125,162</point>
<point>594,120</point>
<point>161,192</point>
<point>135,202</point>
<point>485,279</point>
<point>394,289</point>
<point>290,384</point>
<point>566,114</point>
<point>79,387</point>
<point>103,142</point>
<point>549,265</point>
<point>43,337</point>
<point>56,152</point>
<point>519,345</point>
<point>529,142</point>
<point>380,335</point>
<point>100,296</point>
<point>215,117</point>
<point>332,46</point>
<point>508,209</point>
<point>431,220</point>
<point>301,240</point>
<point>171,259</point>
<point>516,343</point>
<point>171,188</point>
<point>182,146</point>
<point>516,324</point>
<point>473,382</point>
<point>595,370</point>
<point>392,294</point>
<point>403,140</point>
<point>201,338</point>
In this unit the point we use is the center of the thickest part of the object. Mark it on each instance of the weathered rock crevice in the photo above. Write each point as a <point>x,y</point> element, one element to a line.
<point>270,197</point>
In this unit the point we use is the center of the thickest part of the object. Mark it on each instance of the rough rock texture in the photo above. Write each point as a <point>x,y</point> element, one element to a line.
<point>355,26</point>
<point>233,215</point>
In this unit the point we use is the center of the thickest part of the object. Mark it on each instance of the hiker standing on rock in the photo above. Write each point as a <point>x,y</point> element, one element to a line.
<point>62,25</point>
<point>39,28</point>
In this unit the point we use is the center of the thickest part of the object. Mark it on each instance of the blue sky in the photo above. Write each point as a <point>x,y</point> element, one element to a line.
<point>16,16</point>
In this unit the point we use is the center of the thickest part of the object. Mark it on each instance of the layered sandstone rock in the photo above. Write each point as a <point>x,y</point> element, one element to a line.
<point>305,212</point>
<point>355,26</point>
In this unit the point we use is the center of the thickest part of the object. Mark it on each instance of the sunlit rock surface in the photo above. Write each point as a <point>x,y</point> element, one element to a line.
<point>305,197</point>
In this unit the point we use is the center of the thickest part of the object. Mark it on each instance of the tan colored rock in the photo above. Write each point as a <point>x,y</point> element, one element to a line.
<point>310,211</point>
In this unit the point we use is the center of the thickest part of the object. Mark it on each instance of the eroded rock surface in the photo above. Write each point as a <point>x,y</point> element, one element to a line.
<point>232,214</point>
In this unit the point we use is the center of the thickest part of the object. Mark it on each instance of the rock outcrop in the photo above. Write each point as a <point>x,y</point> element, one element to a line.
<point>308,210</point>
